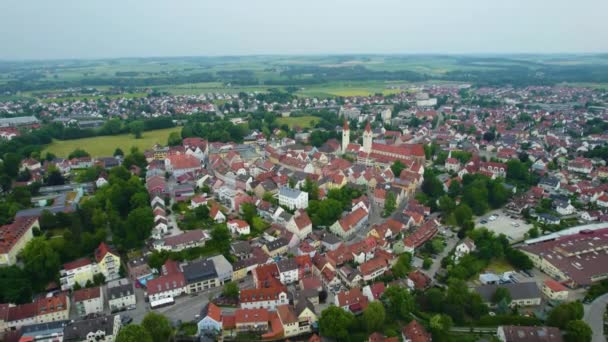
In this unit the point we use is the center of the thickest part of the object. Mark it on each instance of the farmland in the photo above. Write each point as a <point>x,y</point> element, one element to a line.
<point>105,145</point>
<point>300,121</point>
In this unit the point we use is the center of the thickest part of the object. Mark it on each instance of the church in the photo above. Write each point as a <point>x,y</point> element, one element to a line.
<point>373,153</point>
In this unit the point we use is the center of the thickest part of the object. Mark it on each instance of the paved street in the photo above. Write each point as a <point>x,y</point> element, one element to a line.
<point>451,241</point>
<point>594,316</point>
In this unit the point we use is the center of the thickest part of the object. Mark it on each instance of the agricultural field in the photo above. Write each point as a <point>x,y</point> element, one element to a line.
<point>105,145</point>
<point>300,121</point>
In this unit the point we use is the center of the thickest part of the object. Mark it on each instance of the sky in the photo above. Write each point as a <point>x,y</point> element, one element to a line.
<point>57,29</point>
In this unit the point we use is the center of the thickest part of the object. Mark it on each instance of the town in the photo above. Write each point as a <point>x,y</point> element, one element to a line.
<point>441,212</point>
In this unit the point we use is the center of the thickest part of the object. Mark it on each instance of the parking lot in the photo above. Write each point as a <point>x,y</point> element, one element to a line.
<point>513,228</point>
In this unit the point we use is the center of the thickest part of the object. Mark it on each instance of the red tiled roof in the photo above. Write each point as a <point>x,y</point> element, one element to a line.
<point>555,286</point>
<point>102,250</point>
<point>354,296</point>
<point>228,322</point>
<point>372,265</point>
<point>352,219</point>
<point>86,294</point>
<point>263,294</point>
<point>214,312</point>
<point>76,263</point>
<point>10,234</point>
<point>183,161</point>
<point>415,332</point>
<point>251,316</point>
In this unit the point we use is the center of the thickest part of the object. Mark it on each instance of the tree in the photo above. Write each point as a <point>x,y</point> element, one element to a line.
<point>175,139</point>
<point>403,265</point>
<point>397,167</point>
<point>374,316</point>
<point>501,294</point>
<point>10,164</point>
<point>54,177</point>
<point>446,204</point>
<point>399,302</point>
<point>15,285</point>
<point>578,331</point>
<point>158,326</point>
<point>249,211</point>
<point>133,333</point>
<point>118,152</point>
<point>40,261</point>
<point>441,324</point>
<point>564,313</point>
<point>431,185</point>
<point>231,290</point>
<point>427,263</point>
<point>390,203</point>
<point>463,214</point>
<point>202,212</point>
<point>136,128</point>
<point>335,322</point>
<point>139,223</point>
<point>78,153</point>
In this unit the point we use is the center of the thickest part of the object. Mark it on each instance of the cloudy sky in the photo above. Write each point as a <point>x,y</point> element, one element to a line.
<point>42,29</point>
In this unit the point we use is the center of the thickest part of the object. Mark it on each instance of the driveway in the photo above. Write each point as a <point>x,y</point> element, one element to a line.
<point>594,316</point>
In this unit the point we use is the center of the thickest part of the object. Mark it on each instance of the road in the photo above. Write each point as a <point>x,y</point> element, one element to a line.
<point>594,316</point>
<point>451,242</point>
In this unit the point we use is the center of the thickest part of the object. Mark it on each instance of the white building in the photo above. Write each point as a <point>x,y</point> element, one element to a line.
<point>88,301</point>
<point>288,271</point>
<point>465,247</point>
<point>239,227</point>
<point>293,198</point>
<point>121,294</point>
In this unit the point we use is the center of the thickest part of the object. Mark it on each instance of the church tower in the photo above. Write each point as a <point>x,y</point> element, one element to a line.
<point>345,136</point>
<point>367,139</point>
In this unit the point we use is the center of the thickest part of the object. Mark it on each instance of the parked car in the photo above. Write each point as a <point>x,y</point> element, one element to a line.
<point>492,218</point>
<point>124,319</point>
<point>483,221</point>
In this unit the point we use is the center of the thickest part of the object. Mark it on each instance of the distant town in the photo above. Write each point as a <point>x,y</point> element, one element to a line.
<point>435,211</point>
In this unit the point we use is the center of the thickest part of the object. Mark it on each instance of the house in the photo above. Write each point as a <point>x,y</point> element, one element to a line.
<point>98,328</point>
<point>266,298</point>
<point>300,224</point>
<point>452,164</point>
<point>216,214</point>
<point>223,268</point>
<point>251,320</point>
<point>293,198</point>
<point>289,320</point>
<point>374,268</point>
<point>288,271</point>
<point>276,247</point>
<point>580,165</point>
<point>465,247</point>
<point>349,224</point>
<point>415,332</point>
<point>239,227</point>
<point>88,301</point>
<point>353,300</point>
<point>211,321</point>
<point>548,219</point>
<point>37,332</point>
<point>374,291</point>
<point>189,239</point>
<point>108,261</point>
<point>522,294</point>
<point>516,333</point>
<point>171,283</point>
<point>241,250</point>
<point>305,313</point>
<point>495,169</point>
<point>180,164</point>
<point>139,270</point>
<point>602,201</point>
<point>121,294</point>
<point>554,290</point>
<point>549,183</point>
<point>52,308</point>
<point>14,237</point>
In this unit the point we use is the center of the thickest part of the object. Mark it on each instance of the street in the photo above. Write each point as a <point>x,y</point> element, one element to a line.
<point>594,316</point>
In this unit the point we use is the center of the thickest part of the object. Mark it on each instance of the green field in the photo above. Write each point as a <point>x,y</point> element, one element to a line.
<point>301,121</point>
<point>105,146</point>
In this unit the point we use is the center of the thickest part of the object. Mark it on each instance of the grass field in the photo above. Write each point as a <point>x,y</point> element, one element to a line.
<point>105,146</point>
<point>301,121</point>
<point>500,266</point>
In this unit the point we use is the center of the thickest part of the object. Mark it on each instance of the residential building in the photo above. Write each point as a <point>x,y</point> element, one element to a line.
<point>266,298</point>
<point>465,247</point>
<point>88,301</point>
<point>288,271</point>
<point>14,237</point>
<point>79,272</point>
<point>53,308</point>
<point>108,261</point>
<point>171,283</point>
<point>293,198</point>
<point>516,333</point>
<point>188,239</point>
<point>251,320</point>
<point>121,294</point>
<point>239,227</point>
<point>353,300</point>
<point>95,329</point>
<point>223,268</point>
<point>522,294</point>
<point>415,332</point>
<point>554,290</point>
<point>211,319</point>
<point>300,224</point>
<point>349,224</point>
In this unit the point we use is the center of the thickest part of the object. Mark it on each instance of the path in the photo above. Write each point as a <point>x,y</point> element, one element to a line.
<point>594,316</point>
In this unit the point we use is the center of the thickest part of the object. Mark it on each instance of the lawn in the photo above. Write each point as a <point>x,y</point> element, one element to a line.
<point>105,146</point>
<point>301,121</point>
<point>499,266</point>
